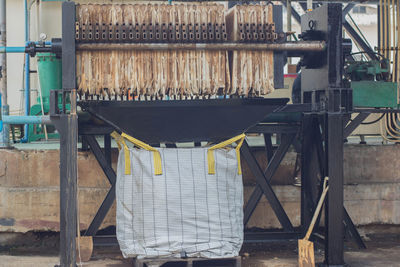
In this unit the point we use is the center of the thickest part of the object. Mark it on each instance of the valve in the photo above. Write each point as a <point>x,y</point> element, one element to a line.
<point>40,47</point>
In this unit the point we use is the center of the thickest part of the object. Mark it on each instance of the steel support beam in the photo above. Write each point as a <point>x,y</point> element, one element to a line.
<point>354,124</point>
<point>101,158</point>
<point>273,165</point>
<point>101,213</point>
<point>107,148</point>
<point>310,170</point>
<point>351,228</point>
<point>104,162</point>
<point>269,149</point>
<point>260,237</point>
<point>347,9</point>
<point>67,126</point>
<point>357,38</point>
<point>266,188</point>
<point>334,233</point>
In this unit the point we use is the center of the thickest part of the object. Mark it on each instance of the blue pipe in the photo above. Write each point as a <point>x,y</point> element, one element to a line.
<point>26,119</point>
<point>12,49</point>
<point>18,49</point>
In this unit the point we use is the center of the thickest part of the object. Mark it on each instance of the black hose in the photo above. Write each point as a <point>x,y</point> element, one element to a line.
<point>365,52</point>
<point>374,121</point>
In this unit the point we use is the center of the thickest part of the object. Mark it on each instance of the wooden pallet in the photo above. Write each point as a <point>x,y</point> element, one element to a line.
<point>189,262</point>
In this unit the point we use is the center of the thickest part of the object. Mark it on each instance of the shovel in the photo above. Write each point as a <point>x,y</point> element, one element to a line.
<point>306,247</point>
<point>84,244</point>
<point>84,248</point>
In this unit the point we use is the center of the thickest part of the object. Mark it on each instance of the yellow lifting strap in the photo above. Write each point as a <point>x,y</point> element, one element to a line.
<point>210,153</point>
<point>121,142</point>
<point>118,138</point>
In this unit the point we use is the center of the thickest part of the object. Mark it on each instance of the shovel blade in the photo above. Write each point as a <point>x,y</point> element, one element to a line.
<point>306,253</point>
<point>85,245</point>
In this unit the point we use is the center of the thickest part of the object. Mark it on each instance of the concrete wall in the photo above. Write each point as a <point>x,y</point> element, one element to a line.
<point>29,188</point>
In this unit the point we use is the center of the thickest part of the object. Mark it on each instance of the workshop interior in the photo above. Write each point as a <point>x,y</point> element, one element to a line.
<point>174,100</point>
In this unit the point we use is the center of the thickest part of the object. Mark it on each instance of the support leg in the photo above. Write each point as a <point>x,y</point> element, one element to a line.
<point>107,148</point>
<point>68,128</point>
<point>309,170</point>
<point>334,205</point>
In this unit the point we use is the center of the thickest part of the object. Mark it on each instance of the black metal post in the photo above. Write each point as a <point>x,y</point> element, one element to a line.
<point>68,128</point>
<point>67,125</point>
<point>334,233</point>
<point>107,148</point>
<point>310,170</point>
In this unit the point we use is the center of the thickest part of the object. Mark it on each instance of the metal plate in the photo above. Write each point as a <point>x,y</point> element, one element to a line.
<point>183,120</point>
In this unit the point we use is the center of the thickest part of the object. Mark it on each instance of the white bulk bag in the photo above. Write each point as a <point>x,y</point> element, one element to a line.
<point>179,201</point>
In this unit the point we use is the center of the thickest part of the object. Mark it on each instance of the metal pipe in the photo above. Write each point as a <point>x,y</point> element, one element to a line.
<point>27,74</point>
<point>26,119</point>
<point>4,135</point>
<point>306,46</point>
<point>12,49</point>
<point>21,49</point>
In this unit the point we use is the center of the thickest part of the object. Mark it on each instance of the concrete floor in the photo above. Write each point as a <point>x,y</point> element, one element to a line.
<point>383,244</point>
<point>377,257</point>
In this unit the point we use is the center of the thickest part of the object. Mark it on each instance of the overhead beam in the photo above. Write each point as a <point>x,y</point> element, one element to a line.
<point>347,9</point>
<point>295,15</point>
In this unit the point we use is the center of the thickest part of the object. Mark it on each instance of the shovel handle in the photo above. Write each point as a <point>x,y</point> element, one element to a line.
<point>318,209</point>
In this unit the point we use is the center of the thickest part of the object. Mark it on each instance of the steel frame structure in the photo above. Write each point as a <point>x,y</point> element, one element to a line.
<point>321,131</point>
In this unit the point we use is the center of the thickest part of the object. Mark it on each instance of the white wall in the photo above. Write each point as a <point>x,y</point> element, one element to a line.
<point>15,37</point>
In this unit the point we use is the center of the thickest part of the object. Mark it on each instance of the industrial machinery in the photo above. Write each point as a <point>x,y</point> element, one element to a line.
<point>159,108</point>
<point>49,71</point>
<point>177,73</point>
<point>371,85</point>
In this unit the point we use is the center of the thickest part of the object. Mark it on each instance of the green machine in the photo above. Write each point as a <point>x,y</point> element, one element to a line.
<point>50,78</point>
<point>369,81</point>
